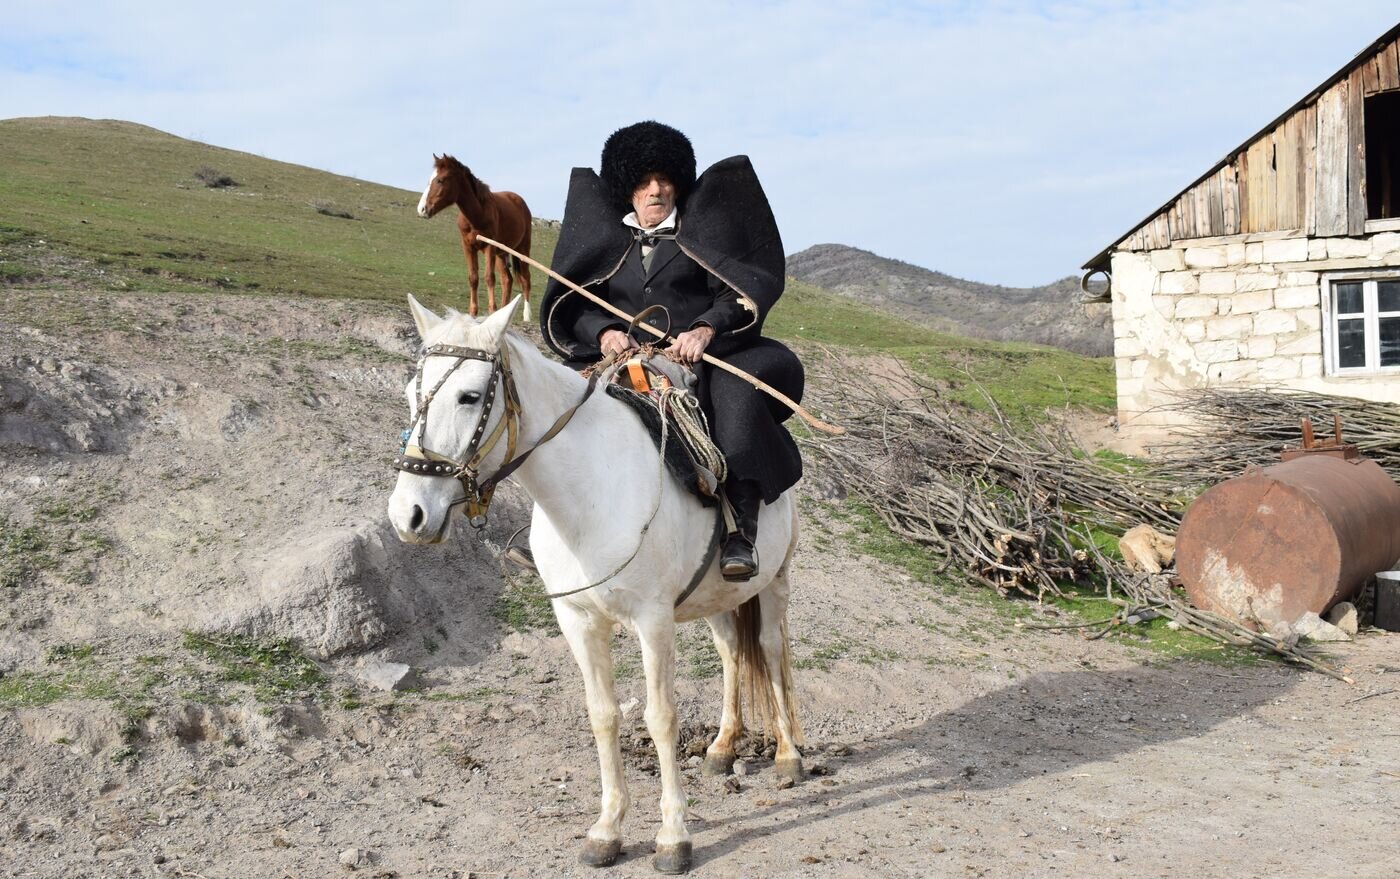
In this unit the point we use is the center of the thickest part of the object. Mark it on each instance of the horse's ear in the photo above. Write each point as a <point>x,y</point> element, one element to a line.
<point>422,317</point>
<point>497,324</point>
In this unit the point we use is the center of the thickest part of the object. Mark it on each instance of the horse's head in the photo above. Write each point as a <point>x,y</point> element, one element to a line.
<point>443,187</point>
<point>455,402</point>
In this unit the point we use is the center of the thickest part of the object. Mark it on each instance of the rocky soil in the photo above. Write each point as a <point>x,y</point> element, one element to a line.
<point>1053,314</point>
<point>189,479</point>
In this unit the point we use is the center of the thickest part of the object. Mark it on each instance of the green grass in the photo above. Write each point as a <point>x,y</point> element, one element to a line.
<point>522,606</point>
<point>123,197</point>
<point>1024,380</point>
<point>275,670</point>
<point>25,550</point>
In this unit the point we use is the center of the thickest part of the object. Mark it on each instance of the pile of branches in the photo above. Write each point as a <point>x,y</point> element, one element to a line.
<point>1015,508</point>
<point>1231,429</point>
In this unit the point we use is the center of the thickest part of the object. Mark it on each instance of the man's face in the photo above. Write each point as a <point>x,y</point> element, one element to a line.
<point>653,199</point>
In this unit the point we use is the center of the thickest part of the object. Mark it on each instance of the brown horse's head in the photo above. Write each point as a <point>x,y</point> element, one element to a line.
<point>450,183</point>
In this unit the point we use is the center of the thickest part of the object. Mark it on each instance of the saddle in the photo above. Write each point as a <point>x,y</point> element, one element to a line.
<point>657,387</point>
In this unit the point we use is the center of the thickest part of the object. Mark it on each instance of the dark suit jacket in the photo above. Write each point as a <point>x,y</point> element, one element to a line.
<point>692,296</point>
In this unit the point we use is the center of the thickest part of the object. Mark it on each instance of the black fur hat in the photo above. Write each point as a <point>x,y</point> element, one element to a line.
<point>633,152</point>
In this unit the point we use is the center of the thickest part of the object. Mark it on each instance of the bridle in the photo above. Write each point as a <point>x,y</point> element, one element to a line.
<point>476,492</point>
<point>422,461</point>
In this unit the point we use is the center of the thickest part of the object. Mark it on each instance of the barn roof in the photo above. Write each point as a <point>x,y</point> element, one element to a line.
<point>1101,259</point>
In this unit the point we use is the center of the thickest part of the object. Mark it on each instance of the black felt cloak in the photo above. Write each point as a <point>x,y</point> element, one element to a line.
<point>727,228</point>
<point>725,225</point>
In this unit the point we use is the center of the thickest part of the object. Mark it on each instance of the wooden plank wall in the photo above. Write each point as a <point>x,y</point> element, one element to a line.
<point>1308,174</point>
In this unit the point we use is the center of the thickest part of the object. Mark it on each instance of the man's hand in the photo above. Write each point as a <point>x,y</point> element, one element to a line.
<point>691,344</point>
<point>615,342</point>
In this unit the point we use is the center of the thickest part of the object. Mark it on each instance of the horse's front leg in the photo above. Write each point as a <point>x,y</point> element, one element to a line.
<point>719,757</point>
<point>588,635</point>
<point>658,637</point>
<point>490,260</point>
<point>473,277</point>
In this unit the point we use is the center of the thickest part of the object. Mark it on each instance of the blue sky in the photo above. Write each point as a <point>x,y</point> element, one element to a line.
<point>1002,142</point>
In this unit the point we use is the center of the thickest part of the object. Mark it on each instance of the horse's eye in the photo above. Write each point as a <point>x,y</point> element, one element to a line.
<point>466,398</point>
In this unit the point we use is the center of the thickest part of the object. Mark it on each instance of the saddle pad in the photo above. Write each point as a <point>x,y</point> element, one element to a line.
<point>678,459</point>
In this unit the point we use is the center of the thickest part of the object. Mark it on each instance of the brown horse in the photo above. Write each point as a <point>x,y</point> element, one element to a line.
<point>499,215</point>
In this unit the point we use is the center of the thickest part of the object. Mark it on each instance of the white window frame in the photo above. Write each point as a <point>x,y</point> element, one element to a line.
<point>1371,315</point>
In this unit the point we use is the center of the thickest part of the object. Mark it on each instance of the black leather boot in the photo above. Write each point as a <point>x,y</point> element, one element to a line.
<point>739,559</point>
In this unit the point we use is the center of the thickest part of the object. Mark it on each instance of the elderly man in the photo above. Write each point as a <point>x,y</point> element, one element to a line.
<point>647,231</point>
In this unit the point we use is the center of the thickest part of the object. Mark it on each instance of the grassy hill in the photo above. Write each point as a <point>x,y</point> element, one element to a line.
<point>118,206</point>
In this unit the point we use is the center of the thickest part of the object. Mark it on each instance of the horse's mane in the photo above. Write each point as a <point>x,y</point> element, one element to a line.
<point>478,186</point>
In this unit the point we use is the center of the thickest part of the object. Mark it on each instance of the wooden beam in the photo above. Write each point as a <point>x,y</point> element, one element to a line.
<point>1286,174</point>
<point>1215,194</point>
<point>1388,73</point>
<point>1247,221</point>
<point>1332,138</point>
<point>1308,146</point>
<point>1356,154</point>
<point>1230,198</point>
<point>1370,75</point>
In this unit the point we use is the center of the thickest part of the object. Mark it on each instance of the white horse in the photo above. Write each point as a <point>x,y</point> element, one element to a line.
<point>595,486</point>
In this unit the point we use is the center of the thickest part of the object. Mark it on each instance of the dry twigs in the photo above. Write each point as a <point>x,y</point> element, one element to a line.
<point>1015,509</point>
<point>1231,429</point>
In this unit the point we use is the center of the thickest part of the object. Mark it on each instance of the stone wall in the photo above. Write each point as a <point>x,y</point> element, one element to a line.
<point>1245,310</point>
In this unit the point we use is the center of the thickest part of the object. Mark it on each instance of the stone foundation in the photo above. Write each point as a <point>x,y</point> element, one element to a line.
<point>1239,311</point>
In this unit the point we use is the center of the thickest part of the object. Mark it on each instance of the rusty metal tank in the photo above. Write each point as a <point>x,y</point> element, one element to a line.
<point>1268,546</point>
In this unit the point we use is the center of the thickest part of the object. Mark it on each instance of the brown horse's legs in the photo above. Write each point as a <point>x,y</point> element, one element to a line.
<point>490,260</point>
<point>719,757</point>
<point>524,272</point>
<point>470,249</point>
<point>506,281</point>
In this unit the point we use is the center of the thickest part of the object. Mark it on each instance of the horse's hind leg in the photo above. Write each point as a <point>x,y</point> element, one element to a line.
<point>503,269</point>
<point>523,271</point>
<point>719,757</point>
<point>588,635</point>
<point>773,639</point>
<point>658,638</point>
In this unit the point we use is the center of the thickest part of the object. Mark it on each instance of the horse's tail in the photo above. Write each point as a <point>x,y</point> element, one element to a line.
<point>758,678</point>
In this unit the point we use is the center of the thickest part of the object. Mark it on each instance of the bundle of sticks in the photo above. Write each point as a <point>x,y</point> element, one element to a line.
<point>1230,429</point>
<point>1019,508</point>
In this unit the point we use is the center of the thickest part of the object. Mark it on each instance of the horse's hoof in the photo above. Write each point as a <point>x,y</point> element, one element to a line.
<point>597,853</point>
<point>673,859</point>
<point>790,769</point>
<point>718,764</point>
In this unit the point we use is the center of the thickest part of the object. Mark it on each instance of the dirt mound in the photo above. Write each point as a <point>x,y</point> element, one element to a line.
<point>53,405</point>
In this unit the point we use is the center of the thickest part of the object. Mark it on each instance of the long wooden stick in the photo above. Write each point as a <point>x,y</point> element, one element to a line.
<point>763,386</point>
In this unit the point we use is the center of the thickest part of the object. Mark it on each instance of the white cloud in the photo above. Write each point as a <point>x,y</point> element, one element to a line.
<point>1004,142</point>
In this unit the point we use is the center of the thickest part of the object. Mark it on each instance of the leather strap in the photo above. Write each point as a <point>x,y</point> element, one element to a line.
<point>511,466</point>
<point>715,539</point>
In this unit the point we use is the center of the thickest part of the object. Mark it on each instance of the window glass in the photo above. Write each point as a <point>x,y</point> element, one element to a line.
<point>1388,295</point>
<point>1349,298</point>
<point>1351,343</point>
<point>1390,341</point>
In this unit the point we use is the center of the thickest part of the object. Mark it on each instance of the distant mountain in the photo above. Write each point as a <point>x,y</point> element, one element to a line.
<point>1049,315</point>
